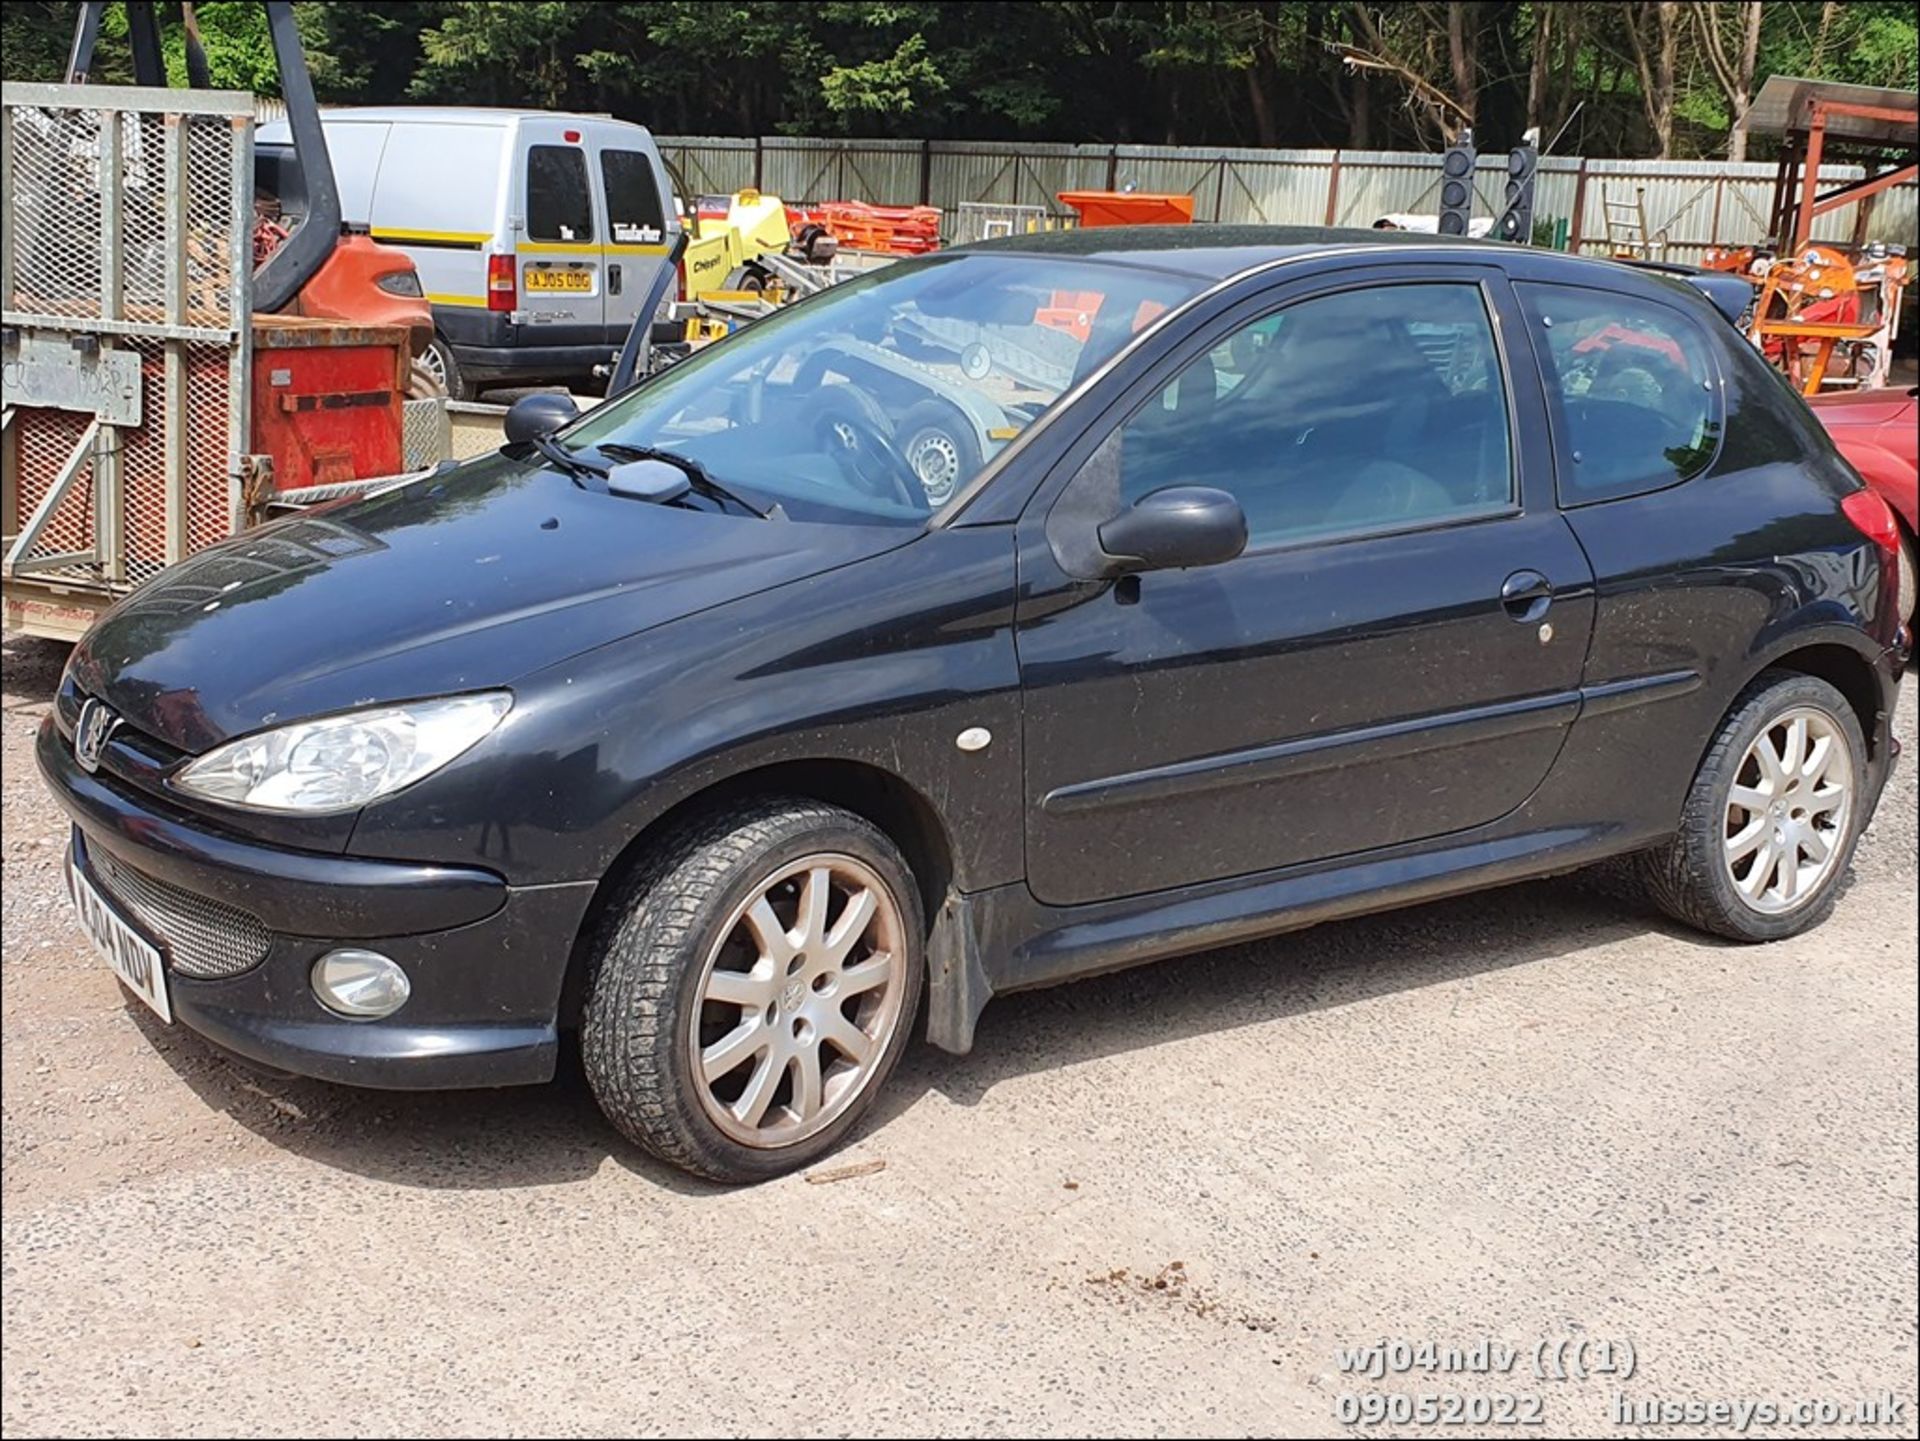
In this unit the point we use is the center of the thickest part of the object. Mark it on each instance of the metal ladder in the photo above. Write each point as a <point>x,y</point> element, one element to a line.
<point>1627,225</point>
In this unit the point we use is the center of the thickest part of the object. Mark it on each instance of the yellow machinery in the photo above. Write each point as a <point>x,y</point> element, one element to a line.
<point>720,260</point>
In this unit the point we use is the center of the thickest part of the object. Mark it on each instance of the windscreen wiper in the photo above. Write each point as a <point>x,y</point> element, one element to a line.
<point>698,476</point>
<point>572,462</point>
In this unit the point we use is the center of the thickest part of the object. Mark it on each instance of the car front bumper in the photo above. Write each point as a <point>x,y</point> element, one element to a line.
<point>486,960</point>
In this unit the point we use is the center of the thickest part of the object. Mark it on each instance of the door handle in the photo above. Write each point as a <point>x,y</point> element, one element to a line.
<point>1525,596</point>
<point>613,280</point>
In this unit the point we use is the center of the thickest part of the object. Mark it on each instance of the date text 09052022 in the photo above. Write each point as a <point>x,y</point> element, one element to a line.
<point>1436,1408</point>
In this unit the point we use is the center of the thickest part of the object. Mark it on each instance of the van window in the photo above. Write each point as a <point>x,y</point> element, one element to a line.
<point>559,206</point>
<point>634,216</point>
<point>1632,387</point>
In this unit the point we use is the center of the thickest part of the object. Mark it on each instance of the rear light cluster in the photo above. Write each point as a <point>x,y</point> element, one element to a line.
<point>400,282</point>
<point>502,293</point>
<point>1874,519</point>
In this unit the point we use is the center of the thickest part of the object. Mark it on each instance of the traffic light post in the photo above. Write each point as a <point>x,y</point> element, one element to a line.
<point>1516,221</point>
<point>1456,185</point>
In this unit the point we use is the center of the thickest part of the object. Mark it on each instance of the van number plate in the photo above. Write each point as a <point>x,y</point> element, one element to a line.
<point>571,281</point>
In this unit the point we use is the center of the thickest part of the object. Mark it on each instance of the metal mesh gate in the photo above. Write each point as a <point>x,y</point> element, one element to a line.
<point>126,266</point>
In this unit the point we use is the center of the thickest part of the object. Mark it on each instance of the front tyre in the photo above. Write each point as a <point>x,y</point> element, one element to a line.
<point>1770,824</point>
<point>752,988</point>
<point>439,364</point>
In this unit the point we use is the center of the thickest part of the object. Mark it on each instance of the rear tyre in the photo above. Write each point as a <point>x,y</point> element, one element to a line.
<point>1770,824</point>
<point>939,445</point>
<point>752,987</point>
<point>438,360</point>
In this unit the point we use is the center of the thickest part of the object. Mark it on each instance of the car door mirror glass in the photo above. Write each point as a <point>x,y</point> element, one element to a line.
<point>1174,528</point>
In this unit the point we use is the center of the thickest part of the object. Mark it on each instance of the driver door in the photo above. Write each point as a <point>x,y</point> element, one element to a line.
<point>1395,656</point>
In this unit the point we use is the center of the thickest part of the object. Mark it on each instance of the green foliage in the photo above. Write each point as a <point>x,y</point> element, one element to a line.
<point>34,36</point>
<point>894,85</point>
<point>1230,72</point>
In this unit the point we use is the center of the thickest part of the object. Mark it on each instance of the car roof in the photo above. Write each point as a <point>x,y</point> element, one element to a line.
<point>1220,252</point>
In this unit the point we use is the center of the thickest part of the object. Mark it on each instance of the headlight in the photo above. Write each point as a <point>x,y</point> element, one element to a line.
<point>341,762</point>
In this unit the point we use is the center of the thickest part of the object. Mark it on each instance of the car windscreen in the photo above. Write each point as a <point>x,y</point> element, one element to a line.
<point>879,399</point>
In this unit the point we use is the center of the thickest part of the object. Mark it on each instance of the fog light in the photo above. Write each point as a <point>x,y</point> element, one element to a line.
<point>362,984</point>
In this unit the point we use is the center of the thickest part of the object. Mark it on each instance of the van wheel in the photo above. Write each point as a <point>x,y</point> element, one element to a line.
<point>424,381</point>
<point>752,987</point>
<point>939,444</point>
<point>1770,824</point>
<point>438,361</point>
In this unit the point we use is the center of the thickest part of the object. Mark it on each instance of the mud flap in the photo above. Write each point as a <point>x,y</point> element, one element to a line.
<point>957,986</point>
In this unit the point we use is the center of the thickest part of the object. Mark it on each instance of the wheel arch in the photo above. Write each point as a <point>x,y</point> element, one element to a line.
<point>1844,667</point>
<point>899,809</point>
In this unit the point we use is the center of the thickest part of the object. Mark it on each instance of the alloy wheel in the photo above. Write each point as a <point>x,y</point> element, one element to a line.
<point>799,998</point>
<point>1788,811</point>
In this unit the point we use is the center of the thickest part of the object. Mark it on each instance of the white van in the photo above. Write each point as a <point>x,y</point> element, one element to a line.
<point>536,234</point>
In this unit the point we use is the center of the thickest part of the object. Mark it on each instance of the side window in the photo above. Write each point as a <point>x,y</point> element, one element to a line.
<point>1632,387</point>
<point>634,216</point>
<point>559,206</point>
<point>1368,410</point>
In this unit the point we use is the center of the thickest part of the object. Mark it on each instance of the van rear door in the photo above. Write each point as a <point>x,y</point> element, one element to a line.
<point>633,182</point>
<point>561,232</point>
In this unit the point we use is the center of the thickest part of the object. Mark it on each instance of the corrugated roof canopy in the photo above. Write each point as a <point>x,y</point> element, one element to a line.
<point>1783,104</point>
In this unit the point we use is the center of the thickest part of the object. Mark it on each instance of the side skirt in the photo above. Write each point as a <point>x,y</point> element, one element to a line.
<point>988,943</point>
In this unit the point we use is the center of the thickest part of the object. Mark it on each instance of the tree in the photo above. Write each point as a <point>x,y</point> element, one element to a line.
<point>1672,78</point>
<point>1732,64</point>
<point>1653,31</point>
<point>1409,55</point>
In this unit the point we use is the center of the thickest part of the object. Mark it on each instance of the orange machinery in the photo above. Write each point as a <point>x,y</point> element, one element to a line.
<point>1823,303</point>
<point>1128,207</point>
<point>1818,300</point>
<point>879,229</point>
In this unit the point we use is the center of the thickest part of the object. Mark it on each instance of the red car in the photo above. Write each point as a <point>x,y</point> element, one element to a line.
<point>1879,432</point>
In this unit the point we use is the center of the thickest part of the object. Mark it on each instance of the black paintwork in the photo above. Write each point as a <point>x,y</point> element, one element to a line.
<point>1166,772</point>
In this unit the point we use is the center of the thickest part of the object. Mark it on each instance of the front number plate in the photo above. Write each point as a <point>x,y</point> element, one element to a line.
<point>133,959</point>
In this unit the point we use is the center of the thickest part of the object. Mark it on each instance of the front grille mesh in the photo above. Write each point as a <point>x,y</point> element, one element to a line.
<point>203,938</point>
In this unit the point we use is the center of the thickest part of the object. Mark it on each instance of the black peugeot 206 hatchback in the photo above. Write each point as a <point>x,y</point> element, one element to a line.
<point>1031,609</point>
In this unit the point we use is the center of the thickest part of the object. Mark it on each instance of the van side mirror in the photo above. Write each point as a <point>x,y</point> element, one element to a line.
<point>1173,528</point>
<point>540,414</point>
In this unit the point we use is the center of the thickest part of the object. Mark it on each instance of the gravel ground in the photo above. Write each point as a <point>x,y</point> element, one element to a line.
<point>1153,1202</point>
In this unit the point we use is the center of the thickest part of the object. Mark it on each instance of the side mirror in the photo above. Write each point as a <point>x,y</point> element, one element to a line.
<point>540,414</point>
<point>1170,529</point>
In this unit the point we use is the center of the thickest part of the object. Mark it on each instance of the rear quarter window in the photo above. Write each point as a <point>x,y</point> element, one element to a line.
<point>559,204</point>
<point>1634,391</point>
